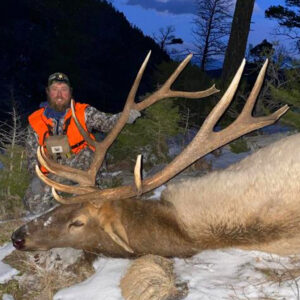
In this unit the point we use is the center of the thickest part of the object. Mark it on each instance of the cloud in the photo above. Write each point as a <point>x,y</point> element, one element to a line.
<point>172,6</point>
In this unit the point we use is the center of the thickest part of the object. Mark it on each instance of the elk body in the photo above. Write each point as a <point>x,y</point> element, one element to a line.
<point>253,204</point>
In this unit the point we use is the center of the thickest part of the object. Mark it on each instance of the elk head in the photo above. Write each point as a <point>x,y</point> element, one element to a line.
<point>92,206</point>
<point>74,225</point>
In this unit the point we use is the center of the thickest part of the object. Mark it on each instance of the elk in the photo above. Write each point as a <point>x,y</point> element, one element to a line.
<point>253,204</point>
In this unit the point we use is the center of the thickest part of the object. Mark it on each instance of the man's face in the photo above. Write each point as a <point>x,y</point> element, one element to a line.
<point>59,96</point>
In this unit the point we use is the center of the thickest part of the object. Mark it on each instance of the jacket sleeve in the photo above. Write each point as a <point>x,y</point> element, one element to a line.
<point>99,121</point>
<point>31,148</point>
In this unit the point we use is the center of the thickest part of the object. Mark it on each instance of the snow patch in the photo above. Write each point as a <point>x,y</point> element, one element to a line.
<point>212,274</point>
<point>6,272</point>
<point>104,284</point>
<point>157,193</point>
<point>235,274</point>
<point>48,222</point>
<point>7,297</point>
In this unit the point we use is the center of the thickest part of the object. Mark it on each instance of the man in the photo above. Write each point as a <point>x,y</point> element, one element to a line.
<point>53,127</point>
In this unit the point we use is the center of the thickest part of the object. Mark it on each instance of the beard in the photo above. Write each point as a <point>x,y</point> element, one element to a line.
<point>59,107</point>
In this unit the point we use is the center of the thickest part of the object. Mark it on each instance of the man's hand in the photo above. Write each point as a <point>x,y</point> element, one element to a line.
<point>134,114</point>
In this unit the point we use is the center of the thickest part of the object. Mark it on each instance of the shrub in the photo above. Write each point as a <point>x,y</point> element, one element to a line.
<point>14,179</point>
<point>149,134</point>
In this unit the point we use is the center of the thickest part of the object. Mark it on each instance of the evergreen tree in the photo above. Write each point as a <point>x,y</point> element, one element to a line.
<point>288,19</point>
<point>88,40</point>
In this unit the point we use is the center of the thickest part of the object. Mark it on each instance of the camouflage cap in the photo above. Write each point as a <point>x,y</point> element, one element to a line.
<point>58,77</point>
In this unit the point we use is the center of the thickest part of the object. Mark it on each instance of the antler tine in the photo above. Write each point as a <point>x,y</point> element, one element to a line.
<point>256,89</point>
<point>245,118</point>
<point>58,198</point>
<point>223,104</point>
<point>248,108</point>
<point>85,135</point>
<point>176,73</point>
<point>74,189</point>
<point>102,147</point>
<point>165,90</point>
<point>128,105</point>
<point>137,175</point>
<point>204,142</point>
<point>62,170</point>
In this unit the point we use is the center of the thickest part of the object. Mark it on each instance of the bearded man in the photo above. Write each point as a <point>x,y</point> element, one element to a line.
<point>53,127</point>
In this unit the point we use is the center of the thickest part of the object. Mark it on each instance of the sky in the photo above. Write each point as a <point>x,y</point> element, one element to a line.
<point>151,15</point>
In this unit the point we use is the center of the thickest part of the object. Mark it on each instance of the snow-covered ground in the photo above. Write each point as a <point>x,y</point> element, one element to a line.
<point>211,275</point>
<point>6,272</point>
<point>215,274</point>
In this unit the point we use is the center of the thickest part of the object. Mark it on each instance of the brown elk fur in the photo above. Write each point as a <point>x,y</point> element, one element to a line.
<point>255,201</point>
<point>252,204</point>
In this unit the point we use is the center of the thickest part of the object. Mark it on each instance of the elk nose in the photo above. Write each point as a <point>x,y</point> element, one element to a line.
<point>18,243</point>
<point>18,239</point>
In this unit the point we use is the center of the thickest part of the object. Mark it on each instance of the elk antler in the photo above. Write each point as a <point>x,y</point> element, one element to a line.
<point>204,142</point>
<point>86,179</point>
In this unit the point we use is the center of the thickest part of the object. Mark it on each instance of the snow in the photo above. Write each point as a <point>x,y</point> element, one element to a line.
<point>226,159</point>
<point>48,222</point>
<point>104,284</point>
<point>234,274</point>
<point>212,274</point>
<point>7,297</point>
<point>6,272</point>
<point>157,192</point>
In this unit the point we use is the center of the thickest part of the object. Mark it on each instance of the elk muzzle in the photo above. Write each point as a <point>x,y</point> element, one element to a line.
<point>19,238</point>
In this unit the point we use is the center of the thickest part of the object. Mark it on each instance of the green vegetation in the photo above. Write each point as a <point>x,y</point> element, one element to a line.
<point>282,82</point>
<point>289,94</point>
<point>14,180</point>
<point>12,288</point>
<point>192,111</point>
<point>149,134</point>
<point>239,146</point>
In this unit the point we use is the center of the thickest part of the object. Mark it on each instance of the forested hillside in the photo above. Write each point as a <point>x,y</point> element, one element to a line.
<point>88,40</point>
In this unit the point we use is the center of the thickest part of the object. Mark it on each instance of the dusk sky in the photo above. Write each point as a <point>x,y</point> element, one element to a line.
<point>150,15</point>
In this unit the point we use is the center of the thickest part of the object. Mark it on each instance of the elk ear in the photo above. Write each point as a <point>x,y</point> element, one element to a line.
<point>118,234</point>
<point>110,222</point>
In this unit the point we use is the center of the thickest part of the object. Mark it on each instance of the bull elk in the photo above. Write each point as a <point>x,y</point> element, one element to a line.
<point>254,203</point>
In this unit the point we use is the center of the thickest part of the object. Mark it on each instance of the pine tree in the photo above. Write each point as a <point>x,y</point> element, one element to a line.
<point>149,134</point>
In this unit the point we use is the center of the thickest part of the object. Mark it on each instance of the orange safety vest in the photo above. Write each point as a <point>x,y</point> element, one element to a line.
<point>43,127</point>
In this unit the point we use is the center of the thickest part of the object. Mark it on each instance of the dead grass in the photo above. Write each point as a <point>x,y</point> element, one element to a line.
<point>11,207</point>
<point>280,276</point>
<point>12,288</point>
<point>41,276</point>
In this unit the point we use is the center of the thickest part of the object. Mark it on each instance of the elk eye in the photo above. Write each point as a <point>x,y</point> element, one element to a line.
<point>76,223</point>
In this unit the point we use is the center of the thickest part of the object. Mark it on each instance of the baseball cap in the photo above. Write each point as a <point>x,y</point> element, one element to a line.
<point>58,77</point>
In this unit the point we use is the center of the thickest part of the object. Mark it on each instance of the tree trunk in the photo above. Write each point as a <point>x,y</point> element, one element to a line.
<point>238,38</point>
